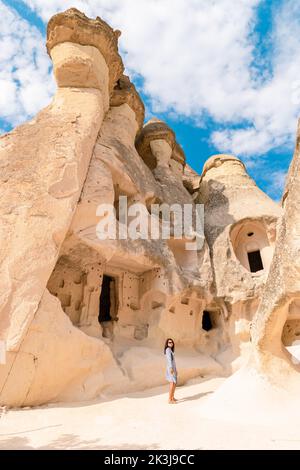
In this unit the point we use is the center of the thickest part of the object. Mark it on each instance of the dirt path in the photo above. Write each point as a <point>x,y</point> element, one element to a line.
<point>141,420</point>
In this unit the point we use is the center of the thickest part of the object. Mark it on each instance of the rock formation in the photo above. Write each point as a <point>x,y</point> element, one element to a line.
<point>240,228</point>
<point>83,315</point>
<point>276,324</point>
<point>266,388</point>
<point>44,164</point>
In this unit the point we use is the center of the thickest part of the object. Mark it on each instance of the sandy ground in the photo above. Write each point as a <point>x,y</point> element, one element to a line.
<point>141,420</point>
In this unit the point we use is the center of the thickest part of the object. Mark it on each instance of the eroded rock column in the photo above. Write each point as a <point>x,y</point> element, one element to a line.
<point>240,227</point>
<point>45,163</point>
<point>282,289</point>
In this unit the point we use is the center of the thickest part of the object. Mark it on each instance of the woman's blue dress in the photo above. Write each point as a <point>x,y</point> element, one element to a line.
<point>171,364</point>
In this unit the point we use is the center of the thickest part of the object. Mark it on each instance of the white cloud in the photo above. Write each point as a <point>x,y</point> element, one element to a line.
<point>276,179</point>
<point>196,59</point>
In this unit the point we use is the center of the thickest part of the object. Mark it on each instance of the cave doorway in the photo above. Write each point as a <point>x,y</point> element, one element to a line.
<point>207,322</point>
<point>255,261</point>
<point>107,305</point>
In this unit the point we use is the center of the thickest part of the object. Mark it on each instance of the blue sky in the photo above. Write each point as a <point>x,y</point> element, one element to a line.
<point>223,75</point>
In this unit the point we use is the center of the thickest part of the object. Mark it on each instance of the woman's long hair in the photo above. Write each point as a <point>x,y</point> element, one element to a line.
<point>166,345</point>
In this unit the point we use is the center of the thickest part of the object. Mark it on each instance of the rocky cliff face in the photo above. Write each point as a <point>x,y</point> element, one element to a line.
<point>266,388</point>
<point>278,315</point>
<point>240,227</point>
<point>44,166</point>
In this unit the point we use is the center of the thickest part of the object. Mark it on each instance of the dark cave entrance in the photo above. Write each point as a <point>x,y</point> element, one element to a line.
<point>255,261</point>
<point>107,305</point>
<point>105,299</point>
<point>207,323</point>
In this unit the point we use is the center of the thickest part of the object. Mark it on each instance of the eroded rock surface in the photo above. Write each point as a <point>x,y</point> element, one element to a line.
<point>83,316</point>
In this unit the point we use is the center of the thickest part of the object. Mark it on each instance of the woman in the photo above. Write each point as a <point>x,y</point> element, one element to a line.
<point>171,374</point>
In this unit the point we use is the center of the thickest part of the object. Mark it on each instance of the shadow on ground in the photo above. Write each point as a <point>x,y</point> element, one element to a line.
<point>159,390</point>
<point>194,397</point>
<point>68,441</point>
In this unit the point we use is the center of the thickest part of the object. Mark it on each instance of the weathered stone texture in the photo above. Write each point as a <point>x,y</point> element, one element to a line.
<point>82,316</point>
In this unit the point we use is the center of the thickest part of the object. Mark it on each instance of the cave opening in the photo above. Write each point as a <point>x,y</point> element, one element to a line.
<point>255,261</point>
<point>107,302</point>
<point>207,323</point>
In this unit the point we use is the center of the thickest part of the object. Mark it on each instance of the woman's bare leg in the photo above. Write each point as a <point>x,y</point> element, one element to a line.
<point>173,391</point>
